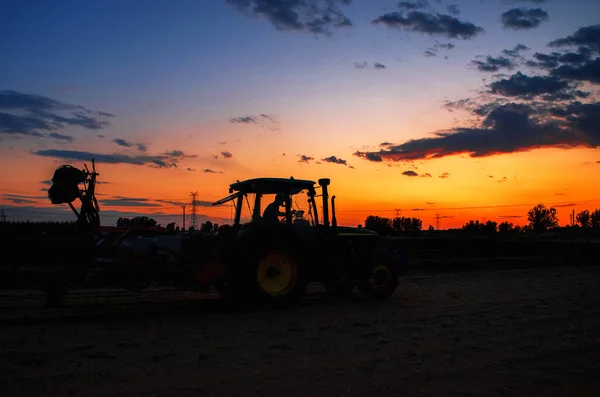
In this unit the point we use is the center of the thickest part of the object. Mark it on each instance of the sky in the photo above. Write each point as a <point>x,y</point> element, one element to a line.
<point>446,110</point>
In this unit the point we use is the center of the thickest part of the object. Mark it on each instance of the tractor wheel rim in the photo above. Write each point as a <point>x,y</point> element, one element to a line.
<point>277,273</point>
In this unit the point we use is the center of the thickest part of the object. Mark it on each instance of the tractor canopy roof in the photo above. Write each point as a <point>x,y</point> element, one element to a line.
<point>272,185</point>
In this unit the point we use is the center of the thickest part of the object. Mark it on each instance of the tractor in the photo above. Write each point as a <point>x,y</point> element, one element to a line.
<point>275,261</point>
<point>251,259</point>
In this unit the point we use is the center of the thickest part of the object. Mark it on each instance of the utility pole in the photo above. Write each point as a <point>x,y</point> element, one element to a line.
<point>397,212</point>
<point>2,215</point>
<point>194,220</point>
<point>573,219</point>
<point>183,207</point>
<point>437,221</point>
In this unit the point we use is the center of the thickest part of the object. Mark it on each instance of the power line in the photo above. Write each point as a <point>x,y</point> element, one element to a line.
<point>476,207</point>
<point>194,219</point>
<point>183,207</point>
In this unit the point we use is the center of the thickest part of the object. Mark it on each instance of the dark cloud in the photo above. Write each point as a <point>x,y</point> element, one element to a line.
<point>365,65</point>
<point>190,169</point>
<point>523,18</point>
<point>122,142</point>
<point>262,120</point>
<point>588,71</point>
<point>61,137</point>
<point>492,64</point>
<point>319,17</point>
<point>430,23</point>
<point>425,175</point>
<point>226,154</point>
<point>211,171</point>
<point>305,159</point>
<point>521,85</point>
<point>410,173</point>
<point>453,9</point>
<point>164,160</point>
<point>588,36</point>
<point>39,116</point>
<point>508,128</point>
<point>445,175</point>
<point>525,1</point>
<point>334,160</point>
<point>516,51</point>
<point>128,202</point>
<point>412,5</point>
<point>433,51</point>
<point>21,199</point>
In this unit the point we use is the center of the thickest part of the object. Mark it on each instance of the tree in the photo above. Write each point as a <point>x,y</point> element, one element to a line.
<point>584,218</point>
<point>138,221</point>
<point>406,224</point>
<point>171,227</point>
<point>542,219</point>
<point>206,227</point>
<point>378,224</point>
<point>506,227</point>
<point>595,219</point>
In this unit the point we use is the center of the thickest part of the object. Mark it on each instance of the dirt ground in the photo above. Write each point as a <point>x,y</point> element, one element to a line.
<point>511,332</point>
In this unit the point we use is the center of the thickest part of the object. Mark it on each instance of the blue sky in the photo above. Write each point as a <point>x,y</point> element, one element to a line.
<point>174,73</point>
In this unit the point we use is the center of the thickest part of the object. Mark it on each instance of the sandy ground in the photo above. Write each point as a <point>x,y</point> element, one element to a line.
<point>513,332</point>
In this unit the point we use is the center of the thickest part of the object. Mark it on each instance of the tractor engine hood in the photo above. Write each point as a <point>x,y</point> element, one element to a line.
<point>354,231</point>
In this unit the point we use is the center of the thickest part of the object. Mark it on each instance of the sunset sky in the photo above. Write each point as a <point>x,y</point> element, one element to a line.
<point>467,109</point>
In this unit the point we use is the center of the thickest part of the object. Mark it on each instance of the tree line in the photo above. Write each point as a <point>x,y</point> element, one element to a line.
<point>540,219</point>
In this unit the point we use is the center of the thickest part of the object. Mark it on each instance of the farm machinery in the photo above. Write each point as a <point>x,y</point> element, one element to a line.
<point>250,259</point>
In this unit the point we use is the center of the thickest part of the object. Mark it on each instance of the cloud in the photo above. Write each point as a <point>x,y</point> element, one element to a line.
<point>430,23</point>
<point>305,159</point>
<point>39,116</point>
<point>164,160</point>
<point>588,36</point>
<point>226,154</point>
<point>21,199</point>
<point>553,107</point>
<point>433,51</point>
<point>523,18</point>
<point>425,175</point>
<point>516,51</point>
<point>190,169</point>
<point>412,5</point>
<point>492,64</point>
<point>61,137</point>
<point>430,203</point>
<point>365,65</point>
<point>334,160</point>
<point>319,17</point>
<point>120,201</point>
<point>453,9</point>
<point>410,173</point>
<point>122,142</point>
<point>211,171</point>
<point>262,120</point>
<point>445,175</point>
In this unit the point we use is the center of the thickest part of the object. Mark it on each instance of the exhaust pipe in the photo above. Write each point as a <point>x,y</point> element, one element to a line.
<point>333,218</point>
<point>324,182</point>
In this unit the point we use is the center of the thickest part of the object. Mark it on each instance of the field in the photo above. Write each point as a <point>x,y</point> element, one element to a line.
<point>474,316</point>
<point>528,331</point>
